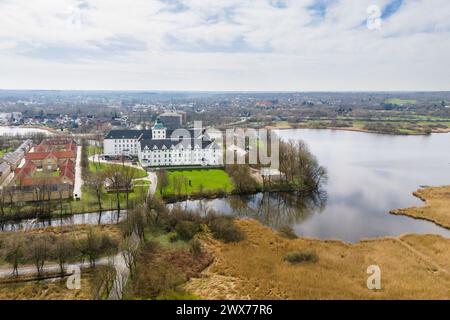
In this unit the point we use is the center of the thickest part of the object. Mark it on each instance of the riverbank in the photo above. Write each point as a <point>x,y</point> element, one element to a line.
<point>412,266</point>
<point>420,130</point>
<point>436,208</point>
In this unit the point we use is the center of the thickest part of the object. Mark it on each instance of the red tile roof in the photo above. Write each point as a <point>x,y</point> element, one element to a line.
<point>40,181</point>
<point>27,170</point>
<point>67,154</point>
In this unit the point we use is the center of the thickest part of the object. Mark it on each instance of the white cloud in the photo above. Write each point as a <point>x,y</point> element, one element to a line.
<point>223,45</point>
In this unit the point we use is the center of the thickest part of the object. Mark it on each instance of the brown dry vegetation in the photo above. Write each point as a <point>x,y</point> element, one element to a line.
<point>45,290</point>
<point>160,271</point>
<point>77,231</point>
<point>412,266</point>
<point>436,209</point>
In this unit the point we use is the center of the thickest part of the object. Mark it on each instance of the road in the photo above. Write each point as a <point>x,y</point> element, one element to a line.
<point>78,178</point>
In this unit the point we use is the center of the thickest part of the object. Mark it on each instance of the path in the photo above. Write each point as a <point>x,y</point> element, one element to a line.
<point>78,178</point>
<point>122,271</point>
<point>422,256</point>
<point>50,268</point>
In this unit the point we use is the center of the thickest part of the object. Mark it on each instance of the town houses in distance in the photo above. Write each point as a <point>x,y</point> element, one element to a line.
<point>163,147</point>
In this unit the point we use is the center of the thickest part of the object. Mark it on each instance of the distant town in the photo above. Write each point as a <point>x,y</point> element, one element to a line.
<point>97,111</point>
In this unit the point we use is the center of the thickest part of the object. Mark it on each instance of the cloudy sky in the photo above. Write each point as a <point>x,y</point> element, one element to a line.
<point>274,45</point>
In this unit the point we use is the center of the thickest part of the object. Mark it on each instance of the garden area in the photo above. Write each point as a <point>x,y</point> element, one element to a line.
<point>188,182</point>
<point>89,201</point>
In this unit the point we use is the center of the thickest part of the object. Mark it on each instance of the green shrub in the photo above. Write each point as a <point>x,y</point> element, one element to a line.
<point>173,237</point>
<point>195,247</point>
<point>186,230</point>
<point>176,294</point>
<point>287,232</point>
<point>224,228</point>
<point>301,257</point>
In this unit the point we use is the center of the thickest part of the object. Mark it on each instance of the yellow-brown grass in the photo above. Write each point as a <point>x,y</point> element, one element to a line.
<point>46,290</point>
<point>436,209</point>
<point>77,231</point>
<point>412,266</point>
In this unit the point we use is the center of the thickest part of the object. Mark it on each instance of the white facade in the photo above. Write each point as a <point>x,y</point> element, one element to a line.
<point>179,155</point>
<point>158,150</point>
<point>118,147</point>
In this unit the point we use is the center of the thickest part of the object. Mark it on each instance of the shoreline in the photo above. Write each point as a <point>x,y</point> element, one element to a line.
<point>43,128</point>
<point>353,129</point>
<point>435,209</point>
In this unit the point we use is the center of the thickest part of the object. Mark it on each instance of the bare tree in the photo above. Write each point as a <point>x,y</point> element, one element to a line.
<point>177,185</point>
<point>101,281</point>
<point>116,179</point>
<point>128,175</point>
<point>92,246</point>
<point>95,182</point>
<point>130,250</point>
<point>64,250</point>
<point>38,251</point>
<point>163,181</point>
<point>15,252</point>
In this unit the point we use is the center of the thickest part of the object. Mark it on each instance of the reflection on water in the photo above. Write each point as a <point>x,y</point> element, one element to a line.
<point>107,217</point>
<point>369,174</point>
<point>13,131</point>
<point>271,208</point>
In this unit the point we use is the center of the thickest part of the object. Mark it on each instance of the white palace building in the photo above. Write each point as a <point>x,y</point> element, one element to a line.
<point>159,147</point>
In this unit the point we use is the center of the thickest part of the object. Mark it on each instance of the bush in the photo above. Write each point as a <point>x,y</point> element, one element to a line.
<point>195,247</point>
<point>176,294</point>
<point>173,237</point>
<point>223,228</point>
<point>186,230</point>
<point>301,256</point>
<point>155,277</point>
<point>177,215</point>
<point>287,232</point>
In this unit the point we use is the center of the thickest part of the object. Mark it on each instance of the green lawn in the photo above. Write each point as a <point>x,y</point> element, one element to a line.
<point>94,167</point>
<point>45,174</point>
<point>88,202</point>
<point>399,102</point>
<point>211,179</point>
<point>3,151</point>
<point>91,150</point>
<point>141,182</point>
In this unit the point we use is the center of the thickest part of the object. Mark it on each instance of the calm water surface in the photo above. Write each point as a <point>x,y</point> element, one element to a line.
<point>369,174</point>
<point>107,217</point>
<point>12,131</point>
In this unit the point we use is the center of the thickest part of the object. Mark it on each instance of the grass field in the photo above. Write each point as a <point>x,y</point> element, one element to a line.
<point>436,206</point>
<point>91,150</point>
<point>210,179</point>
<point>99,167</point>
<point>89,203</point>
<point>400,102</point>
<point>412,267</point>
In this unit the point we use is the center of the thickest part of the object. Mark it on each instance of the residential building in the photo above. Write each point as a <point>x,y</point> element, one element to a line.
<point>48,172</point>
<point>5,170</point>
<point>171,120</point>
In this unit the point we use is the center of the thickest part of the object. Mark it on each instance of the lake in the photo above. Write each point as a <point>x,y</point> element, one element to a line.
<point>13,131</point>
<point>369,174</point>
